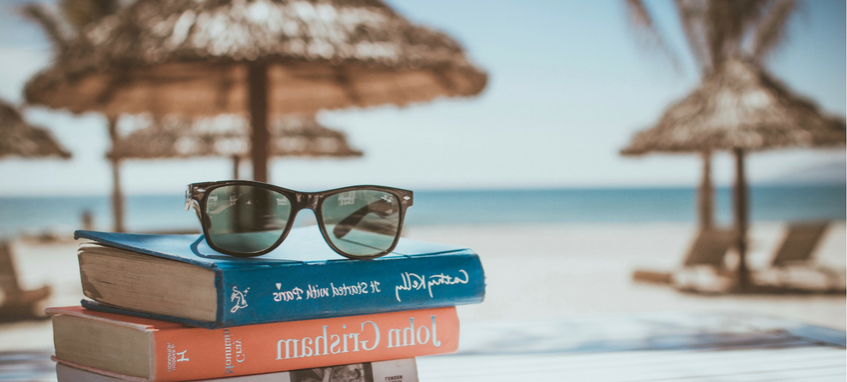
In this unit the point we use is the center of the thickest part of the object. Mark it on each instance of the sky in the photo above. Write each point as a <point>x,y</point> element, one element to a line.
<point>568,87</point>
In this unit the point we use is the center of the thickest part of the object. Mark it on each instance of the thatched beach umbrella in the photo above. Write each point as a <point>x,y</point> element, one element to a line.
<point>257,57</point>
<point>739,108</point>
<point>18,138</point>
<point>222,136</point>
<point>228,136</point>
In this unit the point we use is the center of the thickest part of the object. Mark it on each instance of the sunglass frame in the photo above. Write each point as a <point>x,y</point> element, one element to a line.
<point>197,195</point>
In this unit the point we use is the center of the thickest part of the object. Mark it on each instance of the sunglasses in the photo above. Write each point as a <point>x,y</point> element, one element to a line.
<point>245,218</point>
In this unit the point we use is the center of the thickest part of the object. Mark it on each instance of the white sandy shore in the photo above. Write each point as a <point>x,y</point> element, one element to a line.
<point>532,271</point>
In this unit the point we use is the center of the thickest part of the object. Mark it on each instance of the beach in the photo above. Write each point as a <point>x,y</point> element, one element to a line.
<point>533,271</point>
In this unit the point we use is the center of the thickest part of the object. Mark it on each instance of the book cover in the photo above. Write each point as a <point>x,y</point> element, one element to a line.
<point>305,279</point>
<point>177,353</point>
<point>400,370</point>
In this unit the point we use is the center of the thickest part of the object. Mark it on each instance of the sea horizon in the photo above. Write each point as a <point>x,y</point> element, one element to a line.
<point>32,215</point>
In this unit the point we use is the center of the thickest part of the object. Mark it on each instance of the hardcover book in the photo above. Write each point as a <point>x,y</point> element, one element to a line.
<point>400,370</point>
<point>179,278</point>
<point>163,351</point>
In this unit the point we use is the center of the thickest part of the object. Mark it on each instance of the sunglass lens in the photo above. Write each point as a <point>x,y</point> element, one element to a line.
<point>363,222</point>
<point>246,219</point>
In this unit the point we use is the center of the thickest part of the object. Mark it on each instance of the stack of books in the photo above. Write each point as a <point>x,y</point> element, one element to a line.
<point>169,308</point>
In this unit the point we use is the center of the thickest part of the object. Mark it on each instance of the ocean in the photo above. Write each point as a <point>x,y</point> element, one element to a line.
<point>144,213</point>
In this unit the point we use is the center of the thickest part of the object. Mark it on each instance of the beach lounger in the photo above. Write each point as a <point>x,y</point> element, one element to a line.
<point>794,269</point>
<point>17,303</point>
<point>799,243</point>
<point>704,261</point>
<point>709,248</point>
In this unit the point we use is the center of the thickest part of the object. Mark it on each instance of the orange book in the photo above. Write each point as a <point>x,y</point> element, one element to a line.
<point>162,351</point>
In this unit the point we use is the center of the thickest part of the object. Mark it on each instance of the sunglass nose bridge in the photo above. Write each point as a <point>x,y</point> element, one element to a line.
<point>309,201</point>
<point>312,201</point>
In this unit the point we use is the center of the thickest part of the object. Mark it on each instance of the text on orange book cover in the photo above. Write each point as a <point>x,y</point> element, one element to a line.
<point>194,353</point>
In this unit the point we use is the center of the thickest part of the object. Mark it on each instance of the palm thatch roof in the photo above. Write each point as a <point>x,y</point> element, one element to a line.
<point>18,138</point>
<point>192,57</point>
<point>227,136</point>
<point>739,106</point>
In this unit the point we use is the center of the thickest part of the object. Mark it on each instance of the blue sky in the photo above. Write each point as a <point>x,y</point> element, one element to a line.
<point>568,88</point>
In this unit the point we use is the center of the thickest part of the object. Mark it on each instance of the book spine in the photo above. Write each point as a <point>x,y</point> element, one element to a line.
<point>195,353</point>
<point>299,291</point>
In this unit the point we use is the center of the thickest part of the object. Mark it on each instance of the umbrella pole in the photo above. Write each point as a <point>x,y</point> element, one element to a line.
<point>740,204</point>
<point>117,195</point>
<point>236,162</point>
<point>706,194</point>
<point>258,106</point>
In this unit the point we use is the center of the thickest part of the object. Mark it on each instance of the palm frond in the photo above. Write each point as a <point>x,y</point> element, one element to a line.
<point>48,22</point>
<point>643,24</point>
<point>690,14</point>
<point>722,24</point>
<point>80,13</point>
<point>728,22</point>
<point>749,13</point>
<point>720,30</point>
<point>773,28</point>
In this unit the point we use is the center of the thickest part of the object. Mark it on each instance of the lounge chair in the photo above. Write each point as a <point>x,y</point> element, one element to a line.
<point>703,267</point>
<point>794,268</point>
<point>799,243</point>
<point>17,303</point>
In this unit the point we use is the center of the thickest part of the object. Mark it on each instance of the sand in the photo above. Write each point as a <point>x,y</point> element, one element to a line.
<point>532,272</point>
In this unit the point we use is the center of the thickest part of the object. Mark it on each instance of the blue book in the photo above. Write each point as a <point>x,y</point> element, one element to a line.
<point>179,278</point>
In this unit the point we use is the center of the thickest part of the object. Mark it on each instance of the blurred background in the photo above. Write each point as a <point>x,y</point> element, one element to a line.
<point>516,153</point>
